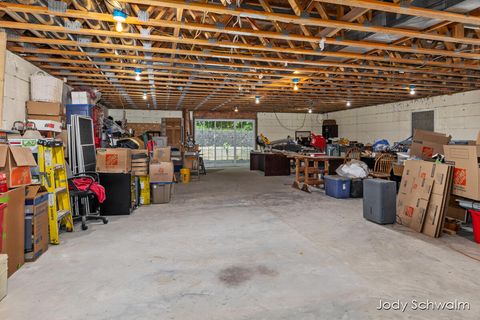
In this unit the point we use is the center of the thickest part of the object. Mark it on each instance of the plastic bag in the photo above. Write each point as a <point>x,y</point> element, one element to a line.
<point>353,169</point>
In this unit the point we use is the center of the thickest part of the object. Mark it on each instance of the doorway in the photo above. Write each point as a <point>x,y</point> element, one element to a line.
<point>225,142</point>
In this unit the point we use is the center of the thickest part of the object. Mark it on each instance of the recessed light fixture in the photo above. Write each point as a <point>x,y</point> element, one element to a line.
<point>412,90</point>
<point>295,84</point>
<point>119,16</point>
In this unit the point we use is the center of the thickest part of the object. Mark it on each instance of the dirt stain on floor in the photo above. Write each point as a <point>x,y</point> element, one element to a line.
<point>236,275</point>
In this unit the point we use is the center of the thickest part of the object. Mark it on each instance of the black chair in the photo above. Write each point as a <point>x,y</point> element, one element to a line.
<point>81,199</point>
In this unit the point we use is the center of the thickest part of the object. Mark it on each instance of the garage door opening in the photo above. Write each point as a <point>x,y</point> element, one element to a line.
<point>225,142</point>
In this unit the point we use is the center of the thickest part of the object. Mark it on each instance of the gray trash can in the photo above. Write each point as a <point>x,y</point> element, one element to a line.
<point>379,200</point>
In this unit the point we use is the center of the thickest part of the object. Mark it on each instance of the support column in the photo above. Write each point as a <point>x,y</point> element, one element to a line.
<point>3,54</point>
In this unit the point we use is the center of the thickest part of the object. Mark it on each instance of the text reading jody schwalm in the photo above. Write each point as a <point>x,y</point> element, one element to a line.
<point>423,305</point>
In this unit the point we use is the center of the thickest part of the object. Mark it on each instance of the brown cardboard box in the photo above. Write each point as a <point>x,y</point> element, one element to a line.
<point>36,214</point>
<point>466,175</point>
<point>161,172</point>
<point>190,162</point>
<point>454,210</point>
<point>14,228</point>
<point>45,108</point>
<point>15,163</point>
<point>425,144</point>
<point>60,119</point>
<point>114,160</point>
<point>161,154</point>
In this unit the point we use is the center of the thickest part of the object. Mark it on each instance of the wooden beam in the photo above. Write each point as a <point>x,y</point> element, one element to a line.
<point>408,10</point>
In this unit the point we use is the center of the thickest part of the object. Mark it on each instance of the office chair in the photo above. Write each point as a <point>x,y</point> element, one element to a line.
<point>81,199</point>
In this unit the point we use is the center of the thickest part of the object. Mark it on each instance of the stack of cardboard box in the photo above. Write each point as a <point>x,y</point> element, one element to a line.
<point>140,162</point>
<point>161,175</point>
<point>46,111</point>
<point>423,197</point>
<point>15,163</point>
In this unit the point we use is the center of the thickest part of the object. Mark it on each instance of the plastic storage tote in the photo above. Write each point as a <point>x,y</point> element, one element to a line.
<point>161,192</point>
<point>380,200</point>
<point>337,187</point>
<point>356,188</point>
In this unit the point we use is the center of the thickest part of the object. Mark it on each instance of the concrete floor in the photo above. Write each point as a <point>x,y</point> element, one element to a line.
<point>237,245</point>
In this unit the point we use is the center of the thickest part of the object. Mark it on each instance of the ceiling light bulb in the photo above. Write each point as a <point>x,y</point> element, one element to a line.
<point>119,27</point>
<point>257,99</point>
<point>236,109</point>
<point>412,89</point>
<point>349,103</point>
<point>310,110</point>
<point>295,87</point>
<point>144,96</point>
<point>137,77</point>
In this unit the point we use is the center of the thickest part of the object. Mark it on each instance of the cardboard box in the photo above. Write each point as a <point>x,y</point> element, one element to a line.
<point>114,160</point>
<point>36,222</point>
<point>454,211</point>
<point>15,162</point>
<point>466,175</point>
<point>61,119</point>
<point>425,144</point>
<point>161,172</point>
<point>14,228</point>
<point>161,154</point>
<point>45,108</point>
<point>190,162</point>
<point>3,275</point>
<point>81,97</point>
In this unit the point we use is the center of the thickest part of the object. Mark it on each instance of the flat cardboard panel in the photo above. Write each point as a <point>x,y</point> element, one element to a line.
<point>15,228</point>
<point>114,160</point>
<point>161,172</point>
<point>413,196</point>
<point>3,155</point>
<point>45,108</point>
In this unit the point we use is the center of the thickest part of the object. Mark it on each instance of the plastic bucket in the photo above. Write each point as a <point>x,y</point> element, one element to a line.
<point>185,173</point>
<point>476,224</point>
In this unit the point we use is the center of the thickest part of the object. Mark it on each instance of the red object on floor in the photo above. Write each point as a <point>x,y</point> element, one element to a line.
<point>83,183</point>
<point>2,226</point>
<point>476,224</point>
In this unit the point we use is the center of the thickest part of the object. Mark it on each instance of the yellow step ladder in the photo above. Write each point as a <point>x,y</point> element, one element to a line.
<point>51,163</point>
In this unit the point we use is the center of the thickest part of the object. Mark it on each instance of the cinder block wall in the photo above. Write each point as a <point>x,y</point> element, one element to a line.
<point>280,125</point>
<point>17,88</point>
<point>457,115</point>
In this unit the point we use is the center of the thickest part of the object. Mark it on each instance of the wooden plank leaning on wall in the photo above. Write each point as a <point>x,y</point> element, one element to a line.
<point>3,53</point>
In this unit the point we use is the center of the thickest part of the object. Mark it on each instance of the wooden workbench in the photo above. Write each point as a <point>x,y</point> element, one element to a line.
<point>309,172</point>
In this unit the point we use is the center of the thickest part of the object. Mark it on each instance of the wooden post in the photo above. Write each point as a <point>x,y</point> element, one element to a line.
<point>3,54</point>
